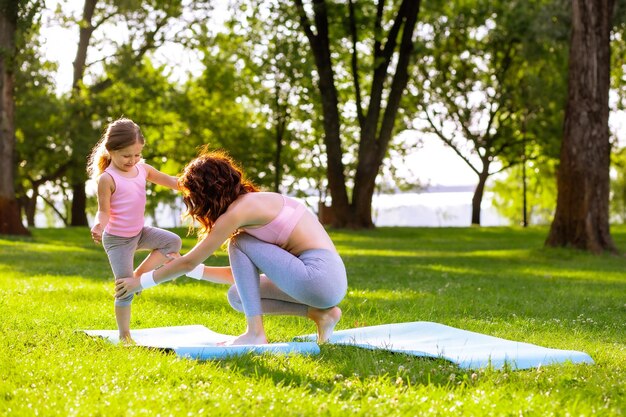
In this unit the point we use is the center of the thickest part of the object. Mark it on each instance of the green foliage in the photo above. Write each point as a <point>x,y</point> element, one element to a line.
<point>618,54</point>
<point>275,77</point>
<point>40,122</point>
<point>491,78</point>
<point>220,115</point>
<point>498,281</point>
<point>540,195</point>
<point>617,207</point>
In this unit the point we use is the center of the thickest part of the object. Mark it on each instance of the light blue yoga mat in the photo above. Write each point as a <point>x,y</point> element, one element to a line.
<point>469,350</point>
<point>198,342</point>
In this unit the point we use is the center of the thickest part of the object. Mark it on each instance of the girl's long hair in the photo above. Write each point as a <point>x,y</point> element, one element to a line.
<point>210,183</point>
<point>120,134</point>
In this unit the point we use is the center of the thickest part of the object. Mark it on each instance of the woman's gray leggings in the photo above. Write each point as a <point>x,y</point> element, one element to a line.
<point>121,251</point>
<point>315,278</point>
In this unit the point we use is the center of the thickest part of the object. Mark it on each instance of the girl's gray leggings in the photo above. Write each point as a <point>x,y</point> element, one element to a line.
<point>315,278</point>
<point>121,251</point>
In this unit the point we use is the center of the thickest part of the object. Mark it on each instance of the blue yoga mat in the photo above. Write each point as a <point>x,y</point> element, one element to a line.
<point>199,342</point>
<point>467,349</point>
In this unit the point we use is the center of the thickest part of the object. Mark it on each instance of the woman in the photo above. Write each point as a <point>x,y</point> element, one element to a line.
<point>267,232</point>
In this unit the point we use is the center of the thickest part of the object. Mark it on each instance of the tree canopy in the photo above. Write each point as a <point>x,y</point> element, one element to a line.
<point>310,96</point>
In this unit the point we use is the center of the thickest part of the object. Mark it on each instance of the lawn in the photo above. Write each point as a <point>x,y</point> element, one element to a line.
<point>498,281</point>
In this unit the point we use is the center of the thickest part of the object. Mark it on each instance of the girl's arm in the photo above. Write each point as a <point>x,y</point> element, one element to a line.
<point>157,177</point>
<point>106,186</point>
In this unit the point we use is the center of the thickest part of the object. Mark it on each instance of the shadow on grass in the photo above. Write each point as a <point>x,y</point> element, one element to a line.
<point>343,368</point>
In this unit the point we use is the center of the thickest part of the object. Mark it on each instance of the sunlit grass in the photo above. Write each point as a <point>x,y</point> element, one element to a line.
<point>498,281</point>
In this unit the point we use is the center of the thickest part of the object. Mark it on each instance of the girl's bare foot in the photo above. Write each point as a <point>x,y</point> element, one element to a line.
<point>325,319</point>
<point>126,340</point>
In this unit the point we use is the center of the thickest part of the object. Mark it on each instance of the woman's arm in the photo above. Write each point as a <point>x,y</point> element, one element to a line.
<point>157,177</point>
<point>218,274</point>
<point>223,229</point>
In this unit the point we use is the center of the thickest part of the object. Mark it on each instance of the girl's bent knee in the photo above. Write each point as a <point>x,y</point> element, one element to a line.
<point>175,245</point>
<point>124,302</point>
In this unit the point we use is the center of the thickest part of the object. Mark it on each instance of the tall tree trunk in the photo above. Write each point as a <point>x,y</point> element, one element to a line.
<point>79,196</point>
<point>582,211</point>
<point>10,217</point>
<point>320,46</point>
<point>377,125</point>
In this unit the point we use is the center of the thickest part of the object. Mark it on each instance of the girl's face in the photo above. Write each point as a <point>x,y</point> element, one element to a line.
<point>125,159</point>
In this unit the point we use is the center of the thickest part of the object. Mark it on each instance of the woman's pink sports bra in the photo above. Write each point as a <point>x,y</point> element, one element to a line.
<point>279,229</point>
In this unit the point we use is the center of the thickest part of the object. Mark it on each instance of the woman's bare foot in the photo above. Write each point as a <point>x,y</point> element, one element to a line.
<point>126,340</point>
<point>325,319</point>
<point>248,339</point>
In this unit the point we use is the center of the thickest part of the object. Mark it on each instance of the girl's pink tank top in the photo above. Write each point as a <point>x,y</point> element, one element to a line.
<point>128,203</point>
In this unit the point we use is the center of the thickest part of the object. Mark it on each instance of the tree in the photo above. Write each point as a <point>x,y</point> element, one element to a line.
<point>221,113</point>
<point>40,123</point>
<point>384,68</point>
<point>276,80</point>
<point>582,210</point>
<point>15,16</point>
<point>149,25</point>
<point>487,81</point>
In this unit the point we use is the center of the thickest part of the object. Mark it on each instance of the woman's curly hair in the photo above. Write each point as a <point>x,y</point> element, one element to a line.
<point>210,183</point>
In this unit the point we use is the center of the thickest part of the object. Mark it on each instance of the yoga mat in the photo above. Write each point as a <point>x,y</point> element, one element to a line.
<point>467,349</point>
<point>199,342</point>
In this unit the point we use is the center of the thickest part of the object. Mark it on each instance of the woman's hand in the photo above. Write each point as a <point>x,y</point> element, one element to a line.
<point>127,286</point>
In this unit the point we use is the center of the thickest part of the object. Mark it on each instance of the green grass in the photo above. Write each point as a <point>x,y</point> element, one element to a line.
<point>498,281</point>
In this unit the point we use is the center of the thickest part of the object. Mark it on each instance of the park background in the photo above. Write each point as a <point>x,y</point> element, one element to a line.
<point>486,156</point>
<point>526,97</point>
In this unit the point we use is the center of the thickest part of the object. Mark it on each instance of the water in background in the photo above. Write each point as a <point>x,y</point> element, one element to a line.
<point>427,209</point>
<point>432,209</point>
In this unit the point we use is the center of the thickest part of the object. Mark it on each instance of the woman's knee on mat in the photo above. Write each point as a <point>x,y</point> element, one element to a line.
<point>234,299</point>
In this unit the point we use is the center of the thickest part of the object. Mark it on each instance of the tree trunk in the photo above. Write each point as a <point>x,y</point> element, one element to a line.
<point>79,205</point>
<point>29,205</point>
<point>79,197</point>
<point>582,211</point>
<point>320,46</point>
<point>478,195</point>
<point>377,126</point>
<point>10,217</point>
<point>365,177</point>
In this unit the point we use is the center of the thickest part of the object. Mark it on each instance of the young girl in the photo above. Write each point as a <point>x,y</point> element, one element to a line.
<point>268,232</point>
<point>115,162</point>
